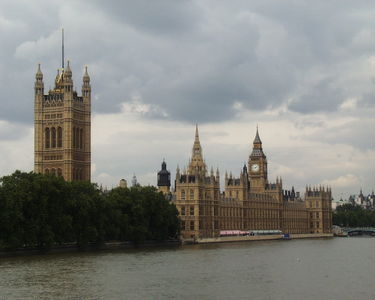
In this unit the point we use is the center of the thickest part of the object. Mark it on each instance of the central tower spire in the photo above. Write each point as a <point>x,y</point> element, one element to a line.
<point>197,162</point>
<point>197,149</point>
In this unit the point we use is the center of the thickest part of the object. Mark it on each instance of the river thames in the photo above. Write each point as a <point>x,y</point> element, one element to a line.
<point>336,268</point>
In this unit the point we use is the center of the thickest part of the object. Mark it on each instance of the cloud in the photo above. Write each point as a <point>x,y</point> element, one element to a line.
<point>345,181</point>
<point>304,71</point>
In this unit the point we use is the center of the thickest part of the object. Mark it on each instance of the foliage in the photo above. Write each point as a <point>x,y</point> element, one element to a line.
<point>349,215</point>
<point>43,210</point>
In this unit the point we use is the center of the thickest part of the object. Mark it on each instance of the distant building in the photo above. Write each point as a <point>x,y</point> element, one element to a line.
<point>338,203</point>
<point>164,179</point>
<point>366,202</point>
<point>123,184</point>
<point>134,181</point>
<point>249,202</point>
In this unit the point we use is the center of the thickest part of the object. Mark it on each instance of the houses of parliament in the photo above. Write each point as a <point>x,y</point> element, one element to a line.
<point>248,202</point>
<point>62,147</point>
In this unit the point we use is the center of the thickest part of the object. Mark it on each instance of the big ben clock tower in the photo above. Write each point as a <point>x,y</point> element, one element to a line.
<point>257,166</point>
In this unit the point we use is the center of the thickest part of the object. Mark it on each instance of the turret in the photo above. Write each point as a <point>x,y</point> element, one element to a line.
<point>39,84</point>
<point>86,87</point>
<point>66,78</point>
<point>164,178</point>
<point>68,72</point>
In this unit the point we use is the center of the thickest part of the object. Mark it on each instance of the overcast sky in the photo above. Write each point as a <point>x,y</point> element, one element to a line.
<point>303,70</point>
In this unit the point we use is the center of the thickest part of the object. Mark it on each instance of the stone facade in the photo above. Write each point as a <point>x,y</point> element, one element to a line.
<point>249,202</point>
<point>62,125</point>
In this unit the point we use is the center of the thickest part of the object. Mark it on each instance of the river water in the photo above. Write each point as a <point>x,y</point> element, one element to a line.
<point>337,268</point>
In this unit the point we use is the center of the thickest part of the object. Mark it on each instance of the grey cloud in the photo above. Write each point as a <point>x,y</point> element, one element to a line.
<point>322,97</point>
<point>155,17</point>
<point>194,60</point>
<point>355,133</point>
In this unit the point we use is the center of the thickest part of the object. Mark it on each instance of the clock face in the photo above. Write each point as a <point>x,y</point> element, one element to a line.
<point>255,167</point>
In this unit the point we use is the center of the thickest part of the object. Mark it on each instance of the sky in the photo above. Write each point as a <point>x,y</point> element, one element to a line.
<point>303,71</point>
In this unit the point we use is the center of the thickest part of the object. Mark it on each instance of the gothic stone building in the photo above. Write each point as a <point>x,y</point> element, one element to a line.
<point>249,202</point>
<point>63,127</point>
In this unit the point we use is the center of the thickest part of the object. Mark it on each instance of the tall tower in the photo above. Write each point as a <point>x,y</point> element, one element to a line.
<point>257,166</point>
<point>197,196</point>
<point>197,164</point>
<point>62,125</point>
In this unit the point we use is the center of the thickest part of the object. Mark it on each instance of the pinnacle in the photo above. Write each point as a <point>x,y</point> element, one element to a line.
<point>39,71</point>
<point>196,133</point>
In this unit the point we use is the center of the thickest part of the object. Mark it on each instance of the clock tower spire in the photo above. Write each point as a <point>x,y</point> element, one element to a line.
<point>257,166</point>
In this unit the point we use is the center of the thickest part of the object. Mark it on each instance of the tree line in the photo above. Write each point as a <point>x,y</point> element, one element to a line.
<point>43,211</point>
<point>350,215</point>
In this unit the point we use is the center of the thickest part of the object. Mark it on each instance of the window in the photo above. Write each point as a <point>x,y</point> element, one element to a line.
<point>77,137</point>
<point>59,137</point>
<point>47,138</point>
<point>74,137</point>
<point>183,225</point>
<point>183,196</point>
<point>46,171</point>
<point>201,210</point>
<point>53,171</point>
<point>216,224</point>
<point>53,137</point>
<point>183,212</point>
<point>59,172</point>
<point>317,215</point>
<point>81,139</point>
<point>191,225</point>
<point>192,210</point>
<point>191,194</point>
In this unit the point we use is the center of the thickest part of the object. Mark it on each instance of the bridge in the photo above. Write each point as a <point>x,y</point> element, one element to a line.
<point>360,231</point>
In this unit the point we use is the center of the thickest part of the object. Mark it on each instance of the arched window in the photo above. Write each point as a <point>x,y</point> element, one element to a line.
<point>48,138</point>
<point>59,137</point>
<point>74,137</point>
<point>81,139</point>
<point>53,137</point>
<point>59,172</point>
<point>53,171</point>
<point>46,171</point>
<point>78,138</point>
